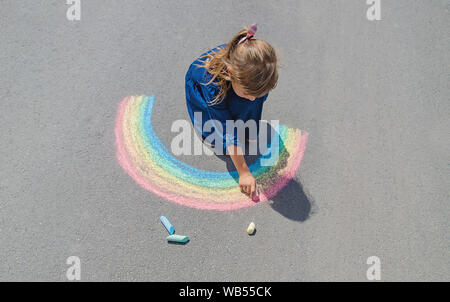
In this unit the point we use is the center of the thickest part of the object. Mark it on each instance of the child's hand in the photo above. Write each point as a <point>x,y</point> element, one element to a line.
<point>247,183</point>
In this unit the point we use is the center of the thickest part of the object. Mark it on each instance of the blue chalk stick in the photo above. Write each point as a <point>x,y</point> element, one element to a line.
<point>169,227</point>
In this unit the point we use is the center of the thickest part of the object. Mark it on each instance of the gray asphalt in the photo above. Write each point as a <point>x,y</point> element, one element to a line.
<point>374,181</point>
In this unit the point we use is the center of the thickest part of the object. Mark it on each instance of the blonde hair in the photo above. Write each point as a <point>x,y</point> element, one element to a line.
<point>253,64</point>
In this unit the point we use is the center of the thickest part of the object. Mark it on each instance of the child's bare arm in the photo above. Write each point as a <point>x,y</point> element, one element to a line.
<point>247,182</point>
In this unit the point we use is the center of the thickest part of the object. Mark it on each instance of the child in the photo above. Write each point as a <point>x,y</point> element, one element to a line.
<point>231,82</point>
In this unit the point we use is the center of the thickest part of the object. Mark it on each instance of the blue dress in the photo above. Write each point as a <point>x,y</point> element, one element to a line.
<point>233,107</point>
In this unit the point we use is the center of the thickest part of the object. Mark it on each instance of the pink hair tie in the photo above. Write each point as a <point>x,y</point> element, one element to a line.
<point>251,32</point>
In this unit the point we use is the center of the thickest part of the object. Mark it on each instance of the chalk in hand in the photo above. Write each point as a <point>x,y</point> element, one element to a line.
<point>255,196</point>
<point>178,238</point>
<point>251,228</point>
<point>169,227</point>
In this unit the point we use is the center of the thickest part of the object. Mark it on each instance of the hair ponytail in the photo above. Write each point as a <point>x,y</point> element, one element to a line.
<point>253,62</point>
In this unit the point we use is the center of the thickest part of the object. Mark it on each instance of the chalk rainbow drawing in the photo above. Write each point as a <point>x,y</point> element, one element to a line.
<point>145,158</point>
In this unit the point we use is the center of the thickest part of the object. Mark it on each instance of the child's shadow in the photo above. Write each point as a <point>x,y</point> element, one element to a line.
<point>292,202</point>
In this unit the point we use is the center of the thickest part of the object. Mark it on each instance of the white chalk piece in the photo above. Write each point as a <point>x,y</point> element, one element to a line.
<point>251,228</point>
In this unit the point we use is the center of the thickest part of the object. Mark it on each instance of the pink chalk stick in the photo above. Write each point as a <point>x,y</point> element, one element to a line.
<point>255,197</point>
